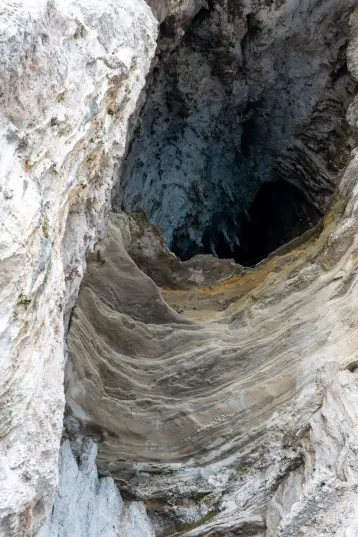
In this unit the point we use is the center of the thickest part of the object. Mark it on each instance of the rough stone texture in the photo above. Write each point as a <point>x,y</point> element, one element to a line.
<point>70,76</point>
<point>225,399</point>
<point>239,414</point>
<point>178,11</point>
<point>86,506</point>
<point>254,92</point>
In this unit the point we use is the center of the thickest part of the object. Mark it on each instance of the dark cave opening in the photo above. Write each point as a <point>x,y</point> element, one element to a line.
<point>278,214</point>
<point>243,133</point>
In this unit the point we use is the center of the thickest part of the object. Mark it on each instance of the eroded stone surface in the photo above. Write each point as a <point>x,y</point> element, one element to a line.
<point>210,413</point>
<point>178,11</point>
<point>236,389</point>
<point>87,506</point>
<point>254,92</point>
<point>70,75</point>
<point>225,399</point>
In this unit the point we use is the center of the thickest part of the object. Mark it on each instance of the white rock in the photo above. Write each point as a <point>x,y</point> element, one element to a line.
<point>71,73</point>
<point>86,506</point>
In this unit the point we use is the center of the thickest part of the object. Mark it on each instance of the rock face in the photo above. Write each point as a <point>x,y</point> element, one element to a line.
<point>251,94</point>
<point>180,12</point>
<point>238,413</point>
<point>86,506</point>
<point>226,398</point>
<point>71,74</point>
<point>223,400</point>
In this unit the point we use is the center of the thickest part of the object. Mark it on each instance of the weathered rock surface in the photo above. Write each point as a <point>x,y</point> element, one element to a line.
<point>86,506</point>
<point>71,73</point>
<point>239,414</point>
<point>179,12</point>
<point>254,92</point>
<point>223,399</point>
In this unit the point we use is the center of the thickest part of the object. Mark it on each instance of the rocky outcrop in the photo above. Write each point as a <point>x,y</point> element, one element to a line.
<point>86,506</point>
<point>179,12</point>
<point>231,407</point>
<point>71,73</point>
<point>223,400</point>
<point>253,93</point>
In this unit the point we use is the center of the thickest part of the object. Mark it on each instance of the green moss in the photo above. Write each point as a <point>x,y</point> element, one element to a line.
<point>243,468</point>
<point>23,300</point>
<point>134,64</point>
<point>80,32</point>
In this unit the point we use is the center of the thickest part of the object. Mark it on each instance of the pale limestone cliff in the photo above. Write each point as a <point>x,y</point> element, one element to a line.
<point>223,399</point>
<point>71,73</point>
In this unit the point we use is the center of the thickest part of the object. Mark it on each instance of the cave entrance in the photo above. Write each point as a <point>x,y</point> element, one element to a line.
<point>243,132</point>
<point>278,214</point>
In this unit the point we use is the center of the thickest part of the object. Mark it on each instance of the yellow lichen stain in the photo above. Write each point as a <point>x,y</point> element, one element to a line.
<point>45,226</point>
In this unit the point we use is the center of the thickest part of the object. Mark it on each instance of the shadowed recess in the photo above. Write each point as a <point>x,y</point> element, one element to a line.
<point>243,131</point>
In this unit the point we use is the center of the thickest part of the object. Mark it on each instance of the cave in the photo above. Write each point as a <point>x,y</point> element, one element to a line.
<point>179,205</point>
<point>278,214</point>
<point>243,133</point>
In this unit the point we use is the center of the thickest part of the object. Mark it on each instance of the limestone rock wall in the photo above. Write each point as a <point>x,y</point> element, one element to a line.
<point>227,406</point>
<point>225,399</point>
<point>178,11</point>
<point>87,506</point>
<point>71,73</point>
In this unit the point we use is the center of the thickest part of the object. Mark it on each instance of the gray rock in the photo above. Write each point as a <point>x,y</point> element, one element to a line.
<point>89,506</point>
<point>249,95</point>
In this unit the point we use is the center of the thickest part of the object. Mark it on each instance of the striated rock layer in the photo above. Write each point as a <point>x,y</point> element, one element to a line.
<point>225,398</point>
<point>239,413</point>
<point>71,73</point>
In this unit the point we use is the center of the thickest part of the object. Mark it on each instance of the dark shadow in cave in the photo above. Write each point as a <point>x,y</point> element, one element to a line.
<point>278,214</point>
<point>235,110</point>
